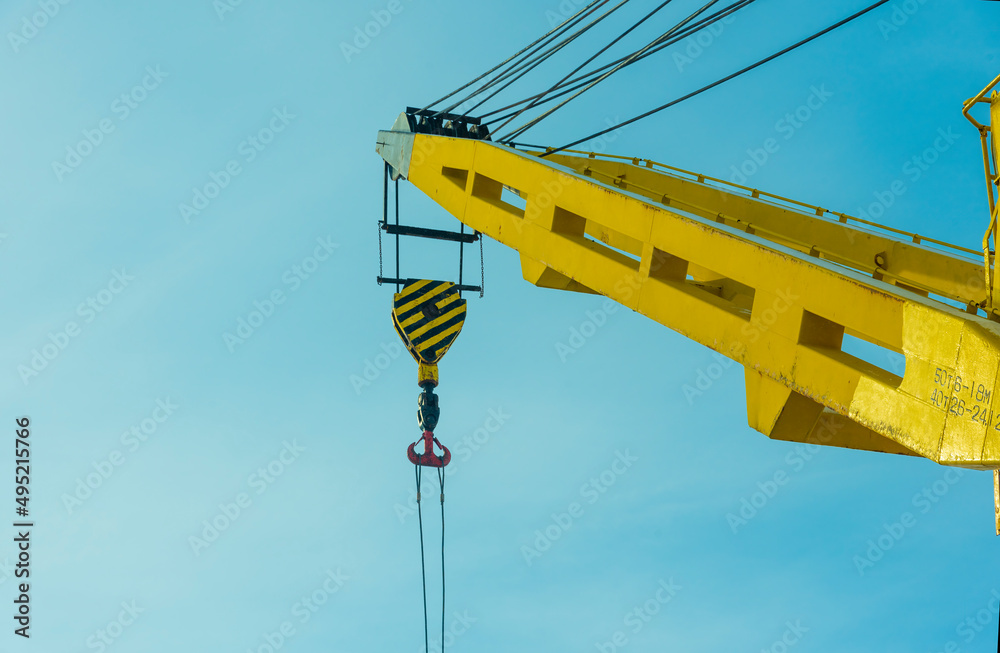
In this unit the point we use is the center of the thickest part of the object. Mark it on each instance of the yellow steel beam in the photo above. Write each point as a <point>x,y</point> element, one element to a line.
<point>773,288</point>
<point>921,269</point>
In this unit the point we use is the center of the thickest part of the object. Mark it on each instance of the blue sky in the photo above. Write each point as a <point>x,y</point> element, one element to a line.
<point>144,396</point>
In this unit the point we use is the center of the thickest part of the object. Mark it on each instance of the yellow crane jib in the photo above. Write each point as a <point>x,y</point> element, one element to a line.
<point>772,283</point>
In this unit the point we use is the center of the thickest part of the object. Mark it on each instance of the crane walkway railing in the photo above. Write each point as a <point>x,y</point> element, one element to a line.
<point>759,194</point>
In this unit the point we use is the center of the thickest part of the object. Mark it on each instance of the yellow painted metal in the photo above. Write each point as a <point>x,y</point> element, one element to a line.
<point>772,284</point>
<point>428,316</point>
<point>996,497</point>
<point>995,120</point>
<point>990,145</point>
<point>993,181</point>
<point>803,227</point>
<point>427,374</point>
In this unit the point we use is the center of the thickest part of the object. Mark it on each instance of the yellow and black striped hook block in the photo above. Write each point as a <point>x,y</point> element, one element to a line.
<point>428,316</point>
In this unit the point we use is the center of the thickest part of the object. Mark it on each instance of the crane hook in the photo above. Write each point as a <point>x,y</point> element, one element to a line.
<point>428,458</point>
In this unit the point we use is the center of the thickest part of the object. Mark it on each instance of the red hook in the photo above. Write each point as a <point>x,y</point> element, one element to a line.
<point>428,458</point>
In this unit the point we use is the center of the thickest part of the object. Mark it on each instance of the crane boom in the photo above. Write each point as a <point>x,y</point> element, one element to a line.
<point>771,283</point>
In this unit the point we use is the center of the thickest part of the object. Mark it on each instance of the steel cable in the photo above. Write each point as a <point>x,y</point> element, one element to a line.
<point>631,59</point>
<point>528,66</point>
<point>423,570</point>
<point>530,57</point>
<point>514,56</point>
<point>592,57</point>
<point>580,81</point>
<point>723,80</point>
<point>441,483</point>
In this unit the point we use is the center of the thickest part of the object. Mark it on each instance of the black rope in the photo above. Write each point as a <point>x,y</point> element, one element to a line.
<point>723,80</point>
<point>632,59</point>
<point>592,57</point>
<point>581,81</point>
<point>535,58</point>
<point>540,47</point>
<point>528,145</point>
<point>521,71</point>
<point>441,483</point>
<point>514,56</point>
<point>647,49</point>
<point>423,571</point>
<point>423,568</point>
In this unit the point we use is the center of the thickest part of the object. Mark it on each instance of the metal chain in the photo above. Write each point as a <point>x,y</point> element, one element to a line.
<point>385,211</point>
<point>482,269</point>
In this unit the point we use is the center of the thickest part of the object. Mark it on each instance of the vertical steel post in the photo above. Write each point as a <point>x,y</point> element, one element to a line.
<point>396,194</point>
